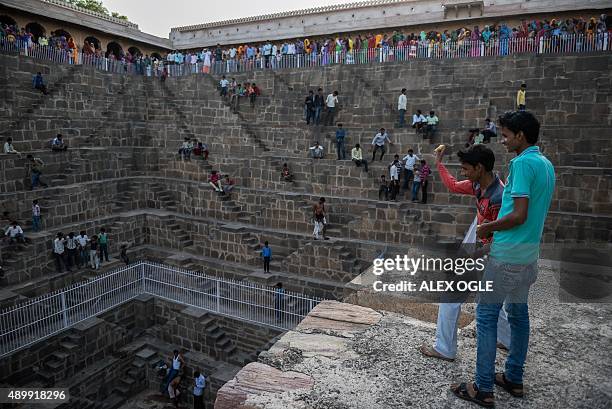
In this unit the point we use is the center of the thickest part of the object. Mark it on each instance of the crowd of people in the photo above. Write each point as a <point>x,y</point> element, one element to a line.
<point>573,34</point>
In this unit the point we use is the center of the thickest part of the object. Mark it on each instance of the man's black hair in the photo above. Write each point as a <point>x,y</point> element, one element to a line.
<point>478,154</point>
<point>357,146</point>
<point>410,150</point>
<point>322,200</point>
<point>403,89</point>
<point>524,121</point>
<point>339,125</point>
<point>196,374</point>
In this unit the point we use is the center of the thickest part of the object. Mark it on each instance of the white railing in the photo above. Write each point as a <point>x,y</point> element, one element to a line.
<point>575,43</point>
<point>41,317</point>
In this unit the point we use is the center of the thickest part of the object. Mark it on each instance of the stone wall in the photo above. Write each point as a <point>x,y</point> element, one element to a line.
<point>127,175</point>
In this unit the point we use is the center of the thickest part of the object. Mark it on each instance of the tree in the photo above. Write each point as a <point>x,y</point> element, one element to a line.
<point>96,6</point>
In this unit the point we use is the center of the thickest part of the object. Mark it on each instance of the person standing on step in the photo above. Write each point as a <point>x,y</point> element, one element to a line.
<point>477,164</point>
<point>266,253</point>
<point>36,166</point>
<point>309,108</point>
<point>223,86</point>
<point>71,250</point>
<point>59,252</point>
<point>177,362</point>
<point>521,96</point>
<point>340,148</point>
<point>416,183</point>
<point>103,240</point>
<point>123,255</point>
<point>409,162</point>
<point>394,173</point>
<point>319,101</point>
<point>228,184</point>
<point>198,390</point>
<point>82,241</point>
<point>58,144</point>
<point>357,157</point>
<point>384,188</point>
<point>286,173</point>
<point>94,253</point>
<point>36,219</point>
<point>331,102</point>
<point>319,220</point>
<point>402,102</point>
<point>279,301</point>
<point>425,172</point>
<point>378,143</point>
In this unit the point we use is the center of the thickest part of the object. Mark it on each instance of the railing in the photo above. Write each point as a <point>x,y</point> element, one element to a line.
<point>30,322</point>
<point>419,50</point>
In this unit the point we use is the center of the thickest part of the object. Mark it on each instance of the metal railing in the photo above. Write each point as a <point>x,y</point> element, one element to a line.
<point>574,43</point>
<point>41,317</point>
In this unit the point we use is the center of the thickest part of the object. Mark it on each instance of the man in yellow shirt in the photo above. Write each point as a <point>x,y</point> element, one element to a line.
<point>520,97</point>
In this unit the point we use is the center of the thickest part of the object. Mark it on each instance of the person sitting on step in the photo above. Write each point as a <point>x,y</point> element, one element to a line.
<point>228,184</point>
<point>286,173</point>
<point>185,150</point>
<point>58,144</point>
<point>317,151</point>
<point>14,233</point>
<point>8,147</point>
<point>215,181</point>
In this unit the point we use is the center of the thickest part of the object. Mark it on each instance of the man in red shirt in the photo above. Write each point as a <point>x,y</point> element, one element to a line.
<point>215,181</point>
<point>477,166</point>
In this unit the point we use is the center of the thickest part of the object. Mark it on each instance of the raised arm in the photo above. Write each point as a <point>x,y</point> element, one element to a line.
<point>463,187</point>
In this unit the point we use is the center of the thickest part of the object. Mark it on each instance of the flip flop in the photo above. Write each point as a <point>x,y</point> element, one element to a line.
<point>430,352</point>
<point>514,389</point>
<point>484,399</point>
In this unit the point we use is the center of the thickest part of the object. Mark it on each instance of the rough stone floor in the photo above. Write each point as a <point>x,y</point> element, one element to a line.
<point>360,359</point>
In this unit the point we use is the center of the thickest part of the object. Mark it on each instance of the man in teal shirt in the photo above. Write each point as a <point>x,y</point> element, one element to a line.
<point>513,259</point>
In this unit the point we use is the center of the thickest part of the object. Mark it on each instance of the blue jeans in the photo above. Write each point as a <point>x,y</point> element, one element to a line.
<point>415,190</point>
<point>511,283</point>
<point>36,225</point>
<point>83,256</point>
<point>402,114</point>
<point>103,252</point>
<point>340,149</point>
<point>317,115</point>
<point>408,176</point>
<point>331,111</point>
<point>446,329</point>
<point>35,179</point>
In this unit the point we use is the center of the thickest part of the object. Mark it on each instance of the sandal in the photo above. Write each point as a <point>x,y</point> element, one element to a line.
<point>514,389</point>
<point>484,399</point>
<point>430,352</point>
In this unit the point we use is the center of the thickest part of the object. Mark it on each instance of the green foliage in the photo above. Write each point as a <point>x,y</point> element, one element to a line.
<point>119,16</point>
<point>96,6</point>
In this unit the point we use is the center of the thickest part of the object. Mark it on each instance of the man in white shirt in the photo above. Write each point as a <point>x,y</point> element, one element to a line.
<point>394,172</point>
<point>490,130</point>
<point>82,241</point>
<point>401,107</point>
<point>409,161</point>
<point>198,390</point>
<point>357,157</point>
<point>71,251</point>
<point>331,102</point>
<point>378,143</point>
<point>59,252</point>
<point>223,84</point>
<point>432,124</point>
<point>8,147</point>
<point>317,151</point>
<point>186,149</point>
<point>15,233</point>
<point>418,121</point>
<point>58,143</point>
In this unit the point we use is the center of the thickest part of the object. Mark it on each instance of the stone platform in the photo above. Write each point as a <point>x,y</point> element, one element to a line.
<point>344,356</point>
